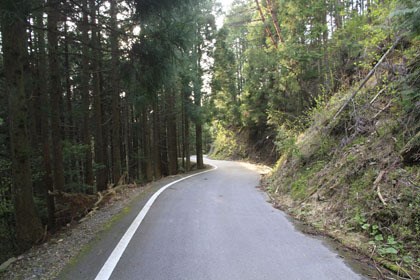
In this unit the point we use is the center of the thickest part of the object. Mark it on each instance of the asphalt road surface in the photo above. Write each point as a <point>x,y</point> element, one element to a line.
<point>216,225</point>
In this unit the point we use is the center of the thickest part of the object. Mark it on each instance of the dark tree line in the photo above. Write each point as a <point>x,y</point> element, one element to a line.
<point>93,93</point>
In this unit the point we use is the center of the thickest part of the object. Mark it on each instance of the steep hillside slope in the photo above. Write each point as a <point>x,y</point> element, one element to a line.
<point>356,176</point>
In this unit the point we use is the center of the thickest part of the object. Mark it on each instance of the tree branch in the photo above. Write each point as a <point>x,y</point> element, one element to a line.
<point>267,28</point>
<point>366,79</point>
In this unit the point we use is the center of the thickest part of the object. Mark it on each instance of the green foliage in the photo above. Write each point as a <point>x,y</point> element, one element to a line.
<point>264,83</point>
<point>408,13</point>
<point>7,232</point>
<point>13,8</point>
<point>360,185</point>
<point>225,144</point>
<point>301,184</point>
<point>286,142</point>
<point>409,86</point>
<point>297,86</point>
<point>74,173</point>
<point>386,247</point>
<point>148,8</point>
<point>225,88</point>
<point>346,188</point>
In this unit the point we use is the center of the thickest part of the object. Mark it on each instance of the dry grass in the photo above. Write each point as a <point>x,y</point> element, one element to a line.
<point>348,179</point>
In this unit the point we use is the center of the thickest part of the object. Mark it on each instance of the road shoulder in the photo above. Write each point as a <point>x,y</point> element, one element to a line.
<point>72,247</point>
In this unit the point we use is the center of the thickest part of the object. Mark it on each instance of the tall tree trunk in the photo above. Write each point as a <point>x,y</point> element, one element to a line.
<point>69,131</point>
<point>34,123</point>
<point>44,138</point>
<point>186,97</point>
<point>369,12</point>
<point>85,77</point>
<point>126,135</point>
<point>198,128</point>
<point>187,144</point>
<point>55,94</point>
<point>147,146</point>
<point>156,143</point>
<point>197,83</point>
<point>171,132</point>
<point>337,14</point>
<point>116,122</point>
<point>325,35</point>
<point>100,152</point>
<point>181,129</point>
<point>137,143</point>
<point>199,144</point>
<point>28,225</point>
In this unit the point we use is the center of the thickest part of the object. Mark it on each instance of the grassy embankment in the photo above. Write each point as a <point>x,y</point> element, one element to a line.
<point>356,177</point>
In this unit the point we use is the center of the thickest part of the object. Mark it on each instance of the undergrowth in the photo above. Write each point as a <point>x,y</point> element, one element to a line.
<point>243,144</point>
<point>359,174</point>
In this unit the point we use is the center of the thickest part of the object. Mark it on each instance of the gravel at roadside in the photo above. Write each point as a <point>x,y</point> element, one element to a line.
<point>45,261</point>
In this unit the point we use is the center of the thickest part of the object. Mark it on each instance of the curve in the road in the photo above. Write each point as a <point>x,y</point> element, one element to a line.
<point>116,254</point>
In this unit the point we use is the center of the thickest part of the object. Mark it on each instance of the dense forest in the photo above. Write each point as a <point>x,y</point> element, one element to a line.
<point>275,60</point>
<point>97,93</point>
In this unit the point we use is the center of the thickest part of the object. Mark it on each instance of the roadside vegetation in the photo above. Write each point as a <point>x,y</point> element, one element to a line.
<point>100,95</point>
<point>95,95</point>
<point>357,177</point>
<point>340,100</point>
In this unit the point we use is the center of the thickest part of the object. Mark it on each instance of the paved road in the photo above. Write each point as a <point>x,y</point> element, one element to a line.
<point>218,226</point>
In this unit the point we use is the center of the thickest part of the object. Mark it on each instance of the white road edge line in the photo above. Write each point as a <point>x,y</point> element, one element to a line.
<point>116,254</point>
